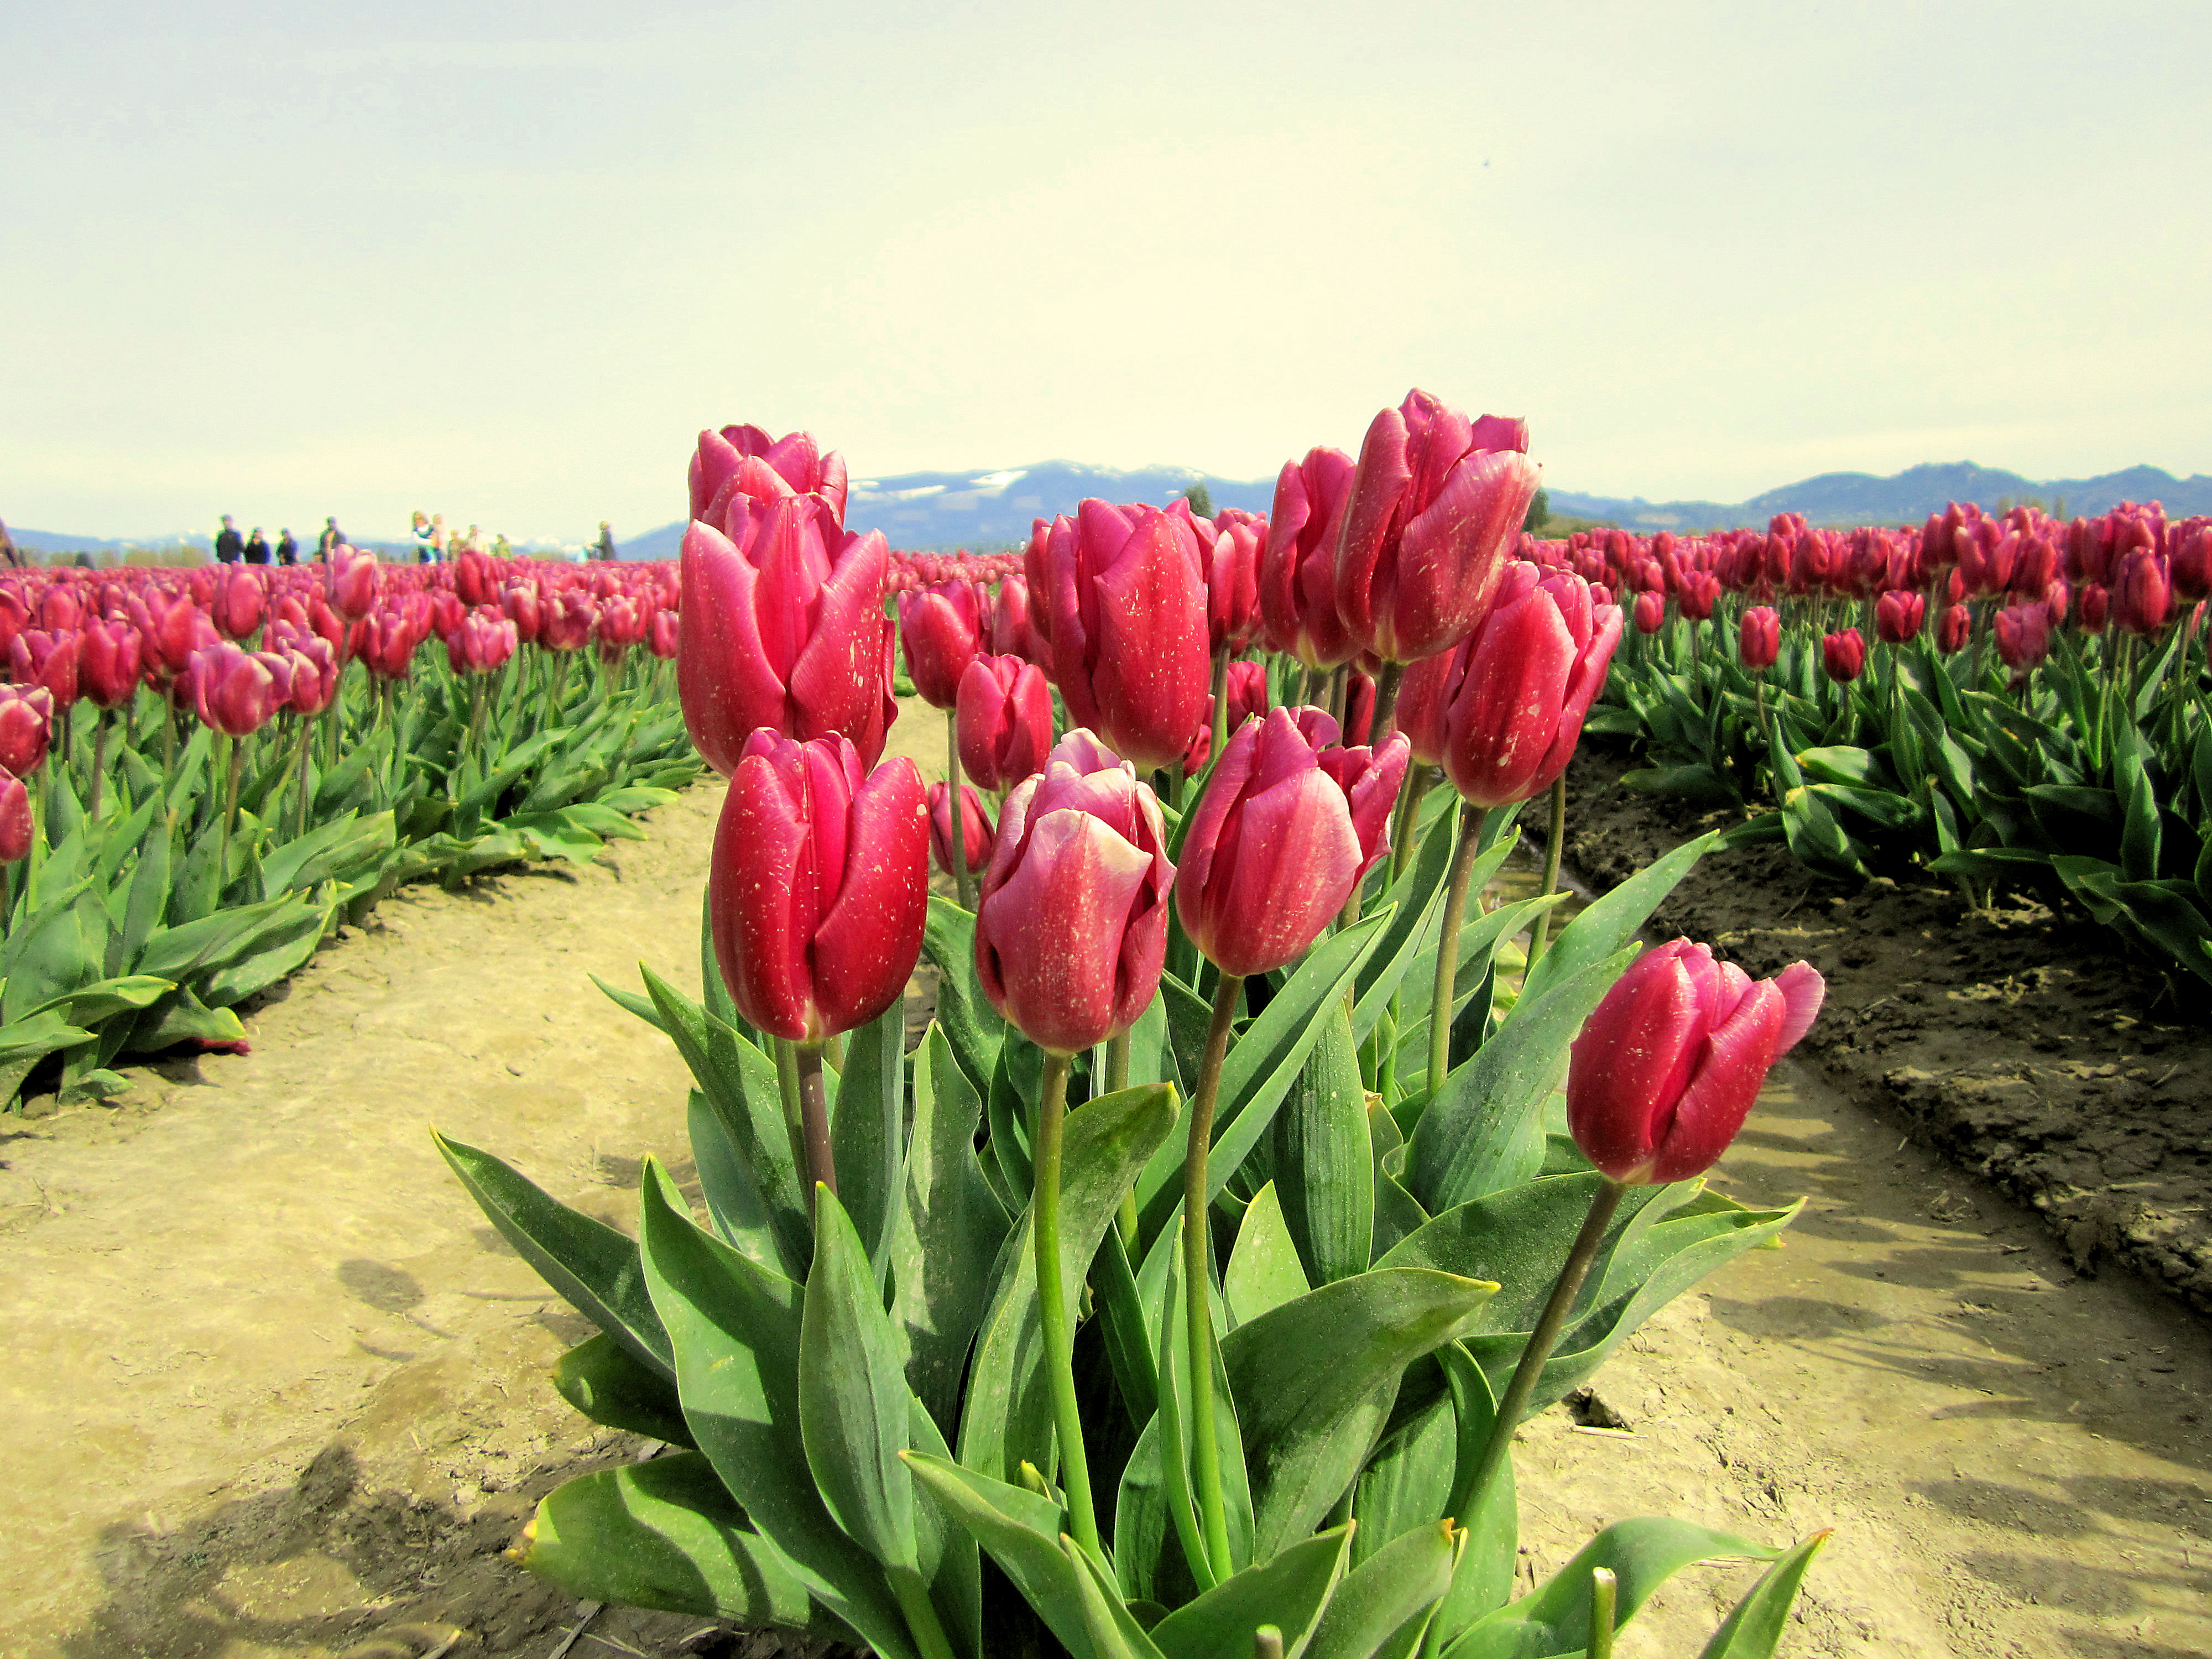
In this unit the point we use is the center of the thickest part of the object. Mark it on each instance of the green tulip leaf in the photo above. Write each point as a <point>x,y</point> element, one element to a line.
<point>1384,1603</point>
<point>1610,923</point>
<point>1753,1630</point>
<point>1323,1157</point>
<point>600,1378</point>
<point>588,1261</point>
<point>1408,1482</point>
<point>1021,1532</point>
<point>867,1131</point>
<point>1289,1590</point>
<point>1314,1380</point>
<point>1264,1271</point>
<point>971,1024</point>
<point>1114,1629</point>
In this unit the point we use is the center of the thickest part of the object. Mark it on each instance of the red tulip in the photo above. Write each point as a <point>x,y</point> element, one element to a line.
<point>483,641</point>
<point>352,577</point>
<point>2143,594</point>
<point>941,629</point>
<point>2190,566</point>
<point>386,643</point>
<point>1759,636</point>
<point>661,639</point>
<point>1248,693</point>
<point>1435,506</point>
<point>1072,926</point>
<point>1667,1067</point>
<point>1844,655</point>
<point>1697,593</point>
<point>315,672</point>
<point>233,691</point>
<point>1527,678</point>
<point>1297,570</point>
<point>59,610</point>
<point>2023,633</point>
<point>2093,607</point>
<point>819,884</point>
<point>1358,705</point>
<point>566,618</point>
<point>1287,827</point>
<point>240,603</point>
<point>1423,701</point>
<point>474,582</point>
<point>27,726</point>
<point>47,659</point>
<point>15,819</point>
<point>742,464</point>
<point>1004,719</point>
<point>108,663</point>
<point>522,604</point>
<point>1956,628</point>
<point>974,822</point>
<point>1232,578</point>
<point>785,631</point>
<point>1897,616</point>
<point>1013,632</point>
<point>1128,629</point>
<point>1651,612</point>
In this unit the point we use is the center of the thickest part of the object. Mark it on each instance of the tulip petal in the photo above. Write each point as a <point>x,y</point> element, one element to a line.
<point>1290,872</point>
<point>759,844</point>
<point>722,674</point>
<point>1804,991</point>
<point>1047,942</point>
<point>1736,1058</point>
<point>868,941</point>
<point>1631,1061</point>
<point>1501,726</point>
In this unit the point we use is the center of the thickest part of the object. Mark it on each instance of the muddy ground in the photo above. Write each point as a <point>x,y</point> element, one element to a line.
<point>276,1389</point>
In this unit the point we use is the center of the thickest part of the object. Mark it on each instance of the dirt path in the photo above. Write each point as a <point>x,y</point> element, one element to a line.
<point>275,1390</point>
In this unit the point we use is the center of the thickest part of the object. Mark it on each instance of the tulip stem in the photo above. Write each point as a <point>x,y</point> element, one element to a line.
<point>98,757</point>
<point>1206,1455</point>
<point>1052,1306</point>
<point>1605,1586</point>
<point>1220,704</point>
<point>1471,825</point>
<point>236,769</point>
<point>1405,833</point>
<point>1542,939</point>
<point>1468,1497</point>
<point>957,851</point>
<point>307,753</point>
<point>787,1080</point>
<point>814,1120</point>
<point>1385,718</point>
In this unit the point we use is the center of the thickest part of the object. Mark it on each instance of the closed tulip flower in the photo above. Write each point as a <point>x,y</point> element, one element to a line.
<point>1297,569</point>
<point>1287,828</point>
<point>2143,594</point>
<point>1529,673</point>
<point>1072,926</point>
<point>352,579</point>
<point>315,671</point>
<point>1423,701</point>
<point>1651,612</point>
<point>49,660</point>
<point>784,630</point>
<point>1897,616</point>
<point>820,885</point>
<point>662,637</point>
<point>1437,506</point>
<point>1844,655</point>
<point>1697,593</point>
<point>1759,636</point>
<point>1956,628</point>
<point>27,725</point>
<point>1004,715</point>
<point>108,663</point>
<point>2023,635</point>
<point>233,691</point>
<point>973,821</point>
<point>525,608</point>
<point>741,464</point>
<point>1248,693</point>
<point>240,603</point>
<point>1232,578</point>
<point>565,619</point>
<point>1013,632</point>
<point>15,819</point>
<point>1128,629</point>
<point>940,630</point>
<point>1667,1067</point>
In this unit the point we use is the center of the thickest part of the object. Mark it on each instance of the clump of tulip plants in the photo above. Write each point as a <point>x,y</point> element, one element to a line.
<point>1175,1296</point>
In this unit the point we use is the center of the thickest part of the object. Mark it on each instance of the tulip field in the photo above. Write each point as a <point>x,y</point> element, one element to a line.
<point>207,770</point>
<point>1155,1234</point>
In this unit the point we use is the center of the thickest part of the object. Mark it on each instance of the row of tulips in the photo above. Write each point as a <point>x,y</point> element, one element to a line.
<point>971,1352</point>
<point>2005,700</point>
<point>200,767</point>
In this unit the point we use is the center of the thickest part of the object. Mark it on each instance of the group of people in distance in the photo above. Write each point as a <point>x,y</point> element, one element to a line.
<point>434,544</point>
<point>231,547</point>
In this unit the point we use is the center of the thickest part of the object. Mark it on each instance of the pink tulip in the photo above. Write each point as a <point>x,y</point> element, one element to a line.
<point>240,603</point>
<point>47,659</point>
<point>1297,570</point>
<point>2023,634</point>
<point>1956,628</point>
<point>1232,578</point>
<point>1667,1067</point>
<point>233,691</point>
<point>785,631</point>
<point>1897,617</point>
<point>1759,636</point>
<point>353,578</point>
<point>1697,593</point>
<point>1844,655</point>
<point>742,465</point>
<point>1528,674</point>
<point>973,821</point>
<point>27,725</point>
<point>565,619</point>
<point>940,630</point>
<point>315,672</point>
<point>1004,719</point>
<point>819,884</point>
<point>1072,926</point>
<point>1248,693</point>
<point>108,663</point>
<point>1287,828</point>
<point>1436,508</point>
<point>1128,629</point>
<point>2143,594</point>
<point>15,819</point>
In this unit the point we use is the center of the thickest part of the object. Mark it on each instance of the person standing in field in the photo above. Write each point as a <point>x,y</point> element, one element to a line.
<point>332,537</point>
<point>419,528</point>
<point>229,545</point>
<point>288,549</point>
<point>604,547</point>
<point>9,554</point>
<point>256,547</point>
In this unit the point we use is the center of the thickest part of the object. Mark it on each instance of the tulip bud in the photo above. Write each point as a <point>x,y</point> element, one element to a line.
<point>47,659</point>
<point>1667,1067</point>
<point>1287,829</point>
<point>1232,578</point>
<point>1436,506</point>
<point>1248,693</point>
<point>1697,593</point>
<point>1072,925</point>
<point>15,819</point>
<point>1531,670</point>
<point>233,691</point>
<point>1128,629</point>
<point>1297,570</point>
<point>1651,612</point>
<point>1759,636</point>
<point>108,663</point>
<point>975,823</point>
<point>1844,655</point>
<point>240,603</point>
<point>1013,634</point>
<point>352,577</point>
<point>2023,634</point>
<point>1003,717</point>
<point>2142,594</point>
<point>1897,616</point>
<point>2093,607</point>
<point>27,724</point>
<point>940,630</point>
<point>785,630</point>
<point>1956,630</point>
<point>819,884</point>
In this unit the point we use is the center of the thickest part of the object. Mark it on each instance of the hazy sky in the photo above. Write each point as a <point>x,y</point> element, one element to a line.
<point>504,261</point>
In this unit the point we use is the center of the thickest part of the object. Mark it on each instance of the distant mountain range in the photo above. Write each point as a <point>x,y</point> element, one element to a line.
<point>989,510</point>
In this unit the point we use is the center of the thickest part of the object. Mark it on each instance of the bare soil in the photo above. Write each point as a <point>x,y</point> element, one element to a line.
<point>275,1391</point>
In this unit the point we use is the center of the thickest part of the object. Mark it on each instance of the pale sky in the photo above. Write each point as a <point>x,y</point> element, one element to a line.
<point>503,261</point>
